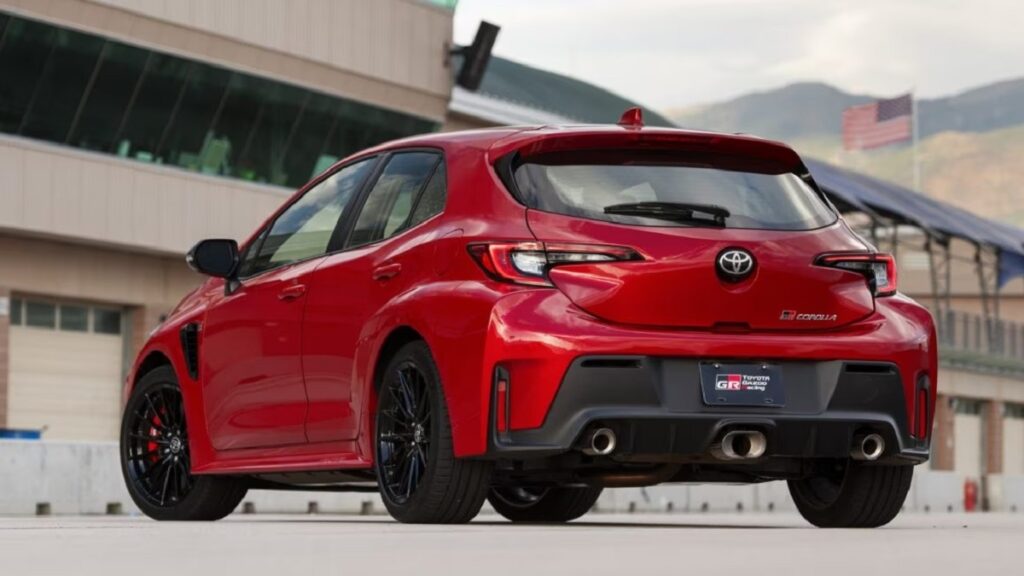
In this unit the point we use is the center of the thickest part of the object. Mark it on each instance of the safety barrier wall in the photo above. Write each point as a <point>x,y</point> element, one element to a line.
<point>84,478</point>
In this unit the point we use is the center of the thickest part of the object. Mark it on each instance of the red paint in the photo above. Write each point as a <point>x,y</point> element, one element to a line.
<point>288,360</point>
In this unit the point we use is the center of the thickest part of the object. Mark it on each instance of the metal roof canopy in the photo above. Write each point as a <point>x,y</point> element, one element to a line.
<point>938,219</point>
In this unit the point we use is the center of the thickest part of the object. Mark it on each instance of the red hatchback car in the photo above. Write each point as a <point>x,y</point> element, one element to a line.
<point>530,315</point>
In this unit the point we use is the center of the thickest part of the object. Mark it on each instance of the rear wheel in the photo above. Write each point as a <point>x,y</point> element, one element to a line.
<point>155,457</point>
<point>852,495</point>
<point>536,504</point>
<point>421,480</point>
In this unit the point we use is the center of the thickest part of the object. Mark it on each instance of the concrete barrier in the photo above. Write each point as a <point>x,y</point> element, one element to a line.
<point>68,478</point>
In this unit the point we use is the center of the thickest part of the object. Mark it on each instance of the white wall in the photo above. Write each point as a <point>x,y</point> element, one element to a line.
<point>1013,446</point>
<point>81,478</point>
<point>395,40</point>
<point>87,197</point>
<point>967,429</point>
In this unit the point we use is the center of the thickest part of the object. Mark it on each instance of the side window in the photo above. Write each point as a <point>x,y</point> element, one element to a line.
<point>389,205</point>
<point>304,229</point>
<point>432,199</point>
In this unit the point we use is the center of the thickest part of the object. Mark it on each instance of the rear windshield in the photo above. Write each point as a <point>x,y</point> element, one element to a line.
<point>755,196</point>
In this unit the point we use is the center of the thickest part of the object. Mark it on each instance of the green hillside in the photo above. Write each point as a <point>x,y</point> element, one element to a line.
<point>980,172</point>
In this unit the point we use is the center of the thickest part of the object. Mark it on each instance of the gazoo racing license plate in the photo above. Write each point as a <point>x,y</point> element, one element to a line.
<point>742,384</point>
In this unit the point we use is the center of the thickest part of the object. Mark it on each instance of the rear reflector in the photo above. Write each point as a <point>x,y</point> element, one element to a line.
<point>528,262</point>
<point>879,269</point>
<point>501,408</point>
<point>921,414</point>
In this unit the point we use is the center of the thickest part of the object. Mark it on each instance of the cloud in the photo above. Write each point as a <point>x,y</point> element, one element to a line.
<point>670,53</point>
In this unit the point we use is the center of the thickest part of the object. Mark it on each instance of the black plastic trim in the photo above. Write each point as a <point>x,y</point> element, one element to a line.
<point>655,405</point>
<point>190,348</point>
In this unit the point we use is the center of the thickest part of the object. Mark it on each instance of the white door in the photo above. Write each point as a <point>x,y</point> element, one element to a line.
<point>1013,446</point>
<point>65,374</point>
<point>967,445</point>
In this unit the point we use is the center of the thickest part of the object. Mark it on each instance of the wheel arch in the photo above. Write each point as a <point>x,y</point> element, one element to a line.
<point>393,342</point>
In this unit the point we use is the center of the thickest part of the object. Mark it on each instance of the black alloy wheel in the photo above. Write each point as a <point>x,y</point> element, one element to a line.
<point>543,504</point>
<point>156,447</point>
<point>851,494</point>
<point>156,457</point>
<point>404,432</point>
<point>421,481</point>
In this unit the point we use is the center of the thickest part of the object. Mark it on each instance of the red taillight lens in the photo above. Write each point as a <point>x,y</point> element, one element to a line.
<point>528,262</point>
<point>879,269</point>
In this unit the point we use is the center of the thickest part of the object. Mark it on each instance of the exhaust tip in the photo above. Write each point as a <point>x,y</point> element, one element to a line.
<point>868,447</point>
<point>600,442</point>
<point>741,445</point>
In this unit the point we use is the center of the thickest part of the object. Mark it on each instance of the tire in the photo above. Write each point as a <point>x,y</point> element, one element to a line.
<point>853,495</point>
<point>155,459</point>
<point>552,505</point>
<point>421,481</point>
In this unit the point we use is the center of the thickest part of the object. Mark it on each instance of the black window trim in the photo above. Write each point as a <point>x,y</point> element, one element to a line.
<point>372,181</point>
<point>343,229</point>
<point>261,234</point>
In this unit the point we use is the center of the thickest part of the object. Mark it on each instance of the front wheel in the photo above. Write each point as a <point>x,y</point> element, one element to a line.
<point>155,457</point>
<point>850,494</point>
<point>421,481</point>
<point>529,504</point>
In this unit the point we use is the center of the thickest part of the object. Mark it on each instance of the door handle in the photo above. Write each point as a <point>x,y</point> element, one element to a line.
<point>292,292</point>
<point>387,271</point>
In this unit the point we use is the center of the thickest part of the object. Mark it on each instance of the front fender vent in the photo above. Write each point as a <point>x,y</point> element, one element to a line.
<point>190,348</point>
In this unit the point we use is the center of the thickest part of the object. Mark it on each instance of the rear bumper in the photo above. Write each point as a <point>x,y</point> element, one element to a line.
<point>655,407</point>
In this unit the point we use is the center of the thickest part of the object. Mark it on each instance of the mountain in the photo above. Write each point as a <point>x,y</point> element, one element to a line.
<point>813,109</point>
<point>806,109</point>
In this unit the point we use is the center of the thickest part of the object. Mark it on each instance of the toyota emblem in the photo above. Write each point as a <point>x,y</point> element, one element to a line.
<point>735,264</point>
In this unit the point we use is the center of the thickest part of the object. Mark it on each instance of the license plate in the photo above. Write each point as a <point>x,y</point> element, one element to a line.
<point>742,384</point>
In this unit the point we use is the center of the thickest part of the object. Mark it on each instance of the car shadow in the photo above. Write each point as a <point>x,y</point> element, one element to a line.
<point>379,520</point>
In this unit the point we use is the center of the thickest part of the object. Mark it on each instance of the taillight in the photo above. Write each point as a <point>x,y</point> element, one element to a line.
<point>879,269</point>
<point>528,262</point>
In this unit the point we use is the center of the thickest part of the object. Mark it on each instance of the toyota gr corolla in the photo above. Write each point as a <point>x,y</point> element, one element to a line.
<point>528,316</point>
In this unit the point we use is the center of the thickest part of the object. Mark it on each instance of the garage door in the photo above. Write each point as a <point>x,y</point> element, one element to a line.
<point>967,427</point>
<point>66,363</point>
<point>1013,440</point>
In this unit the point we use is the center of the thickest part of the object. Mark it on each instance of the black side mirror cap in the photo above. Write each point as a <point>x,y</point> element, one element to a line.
<point>215,257</point>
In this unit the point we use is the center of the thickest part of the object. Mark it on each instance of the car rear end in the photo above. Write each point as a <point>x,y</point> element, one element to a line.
<point>692,309</point>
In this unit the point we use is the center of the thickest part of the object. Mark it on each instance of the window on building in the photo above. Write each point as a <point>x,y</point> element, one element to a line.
<point>388,206</point>
<point>967,406</point>
<point>149,113</point>
<point>305,228</point>
<point>74,318</point>
<point>91,92</point>
<point>40,314</point>
<point>1014,411</point>
<point>16,313</point>
<point>103,107</point>
<point>66,77</point>
<point>23,56</point>
<point>106,321</point>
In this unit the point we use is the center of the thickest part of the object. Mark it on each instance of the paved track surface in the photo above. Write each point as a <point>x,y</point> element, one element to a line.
<point>630,545</point>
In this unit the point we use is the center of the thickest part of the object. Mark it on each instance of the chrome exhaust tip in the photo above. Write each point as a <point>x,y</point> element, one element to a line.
<point>600,442</point>
<point>868,447</point>
<point>741,445</point>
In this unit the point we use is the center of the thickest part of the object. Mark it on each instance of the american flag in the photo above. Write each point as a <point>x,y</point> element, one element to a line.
<point>878,123</point>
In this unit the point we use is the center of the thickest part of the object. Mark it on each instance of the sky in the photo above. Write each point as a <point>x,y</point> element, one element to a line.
<point>678,53</point>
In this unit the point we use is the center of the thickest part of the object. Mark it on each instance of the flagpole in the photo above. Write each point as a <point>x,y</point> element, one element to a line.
<point>913,121</point>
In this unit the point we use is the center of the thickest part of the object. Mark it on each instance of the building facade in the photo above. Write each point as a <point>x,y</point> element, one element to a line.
<point>131,129</point>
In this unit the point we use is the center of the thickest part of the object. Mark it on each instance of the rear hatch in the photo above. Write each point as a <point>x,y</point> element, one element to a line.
<point>696,221</point>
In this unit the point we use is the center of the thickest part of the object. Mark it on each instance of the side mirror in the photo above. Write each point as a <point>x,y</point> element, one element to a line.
<point>218,258</point>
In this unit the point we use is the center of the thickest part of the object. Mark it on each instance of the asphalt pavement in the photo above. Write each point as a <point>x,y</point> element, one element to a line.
<point>631,545</point>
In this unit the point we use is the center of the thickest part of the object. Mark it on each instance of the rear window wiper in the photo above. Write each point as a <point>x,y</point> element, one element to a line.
<point>674,211</point>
